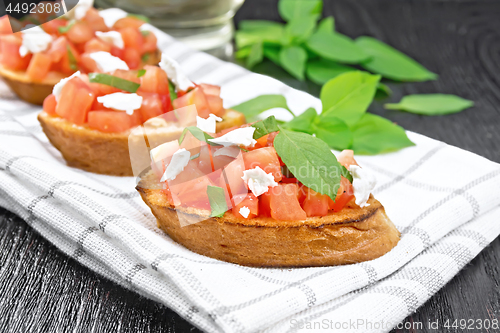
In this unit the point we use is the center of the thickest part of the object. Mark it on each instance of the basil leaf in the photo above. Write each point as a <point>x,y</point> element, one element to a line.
<point>145,33</point>
<point>391,63</point>
<point>337,47</point>
<point>73,64</point>
<point>65,29</point>
<point>252,25</point>
<point>431,104</point>
<point>383,91</point>
<point>139,17</point>
<point>346,173</point>
<point>321,71</point>
<point>217,198</point>
<point>145,57</point>
<point>141,72</point>
<point>114,81</point>
<point>303,122</point>
<point>243,52</point>
<point>256,55</point>
<point>293,60</point>
<point>257,105</point>
<point>197,133</point>
<point>333,131</point>
<point>375,135</point>
<point>195,156</point>
<point>272,53</point>
<point>272,34</point>
<point>348,95</point>
<point>171,90</point>
<point>290,9</point>
<point>264,127</point>
<point>327,25</point>
<point>310,161</point>
<point>299,29</point>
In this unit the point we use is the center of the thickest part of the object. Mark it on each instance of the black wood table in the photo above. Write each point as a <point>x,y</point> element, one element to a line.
<point>42,290</point>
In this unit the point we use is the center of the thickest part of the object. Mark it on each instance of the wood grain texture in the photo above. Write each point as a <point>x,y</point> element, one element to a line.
<point>42,290</point>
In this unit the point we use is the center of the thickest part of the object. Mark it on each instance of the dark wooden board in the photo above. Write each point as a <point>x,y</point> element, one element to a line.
<point>42,290</point>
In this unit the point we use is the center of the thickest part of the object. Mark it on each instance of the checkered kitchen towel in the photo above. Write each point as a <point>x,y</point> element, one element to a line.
<point>444,200</point>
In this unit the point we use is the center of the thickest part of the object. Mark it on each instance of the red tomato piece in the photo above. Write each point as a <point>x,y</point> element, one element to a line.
<point>80,32</point>
<point>196,97</point>
<point>52,27</point>
<point>132,38</point>
<point>210,89</point>
<point>315,204</point>
<point>9,44</point>
<point>39,66</point>
<point>127,75</point>
<point>155,80</point>
<point>264,158</point>
<point>49,105</point>
<point>345,194</point>
<point>132,57</point>
<point>215,105</point>
<point>5,27</point>
<point>233,173</point>
<point>245,200</point>
<point>205,161</point>
<point>87,64</point>
<point>149,42</point>
<point>117,52</point>
<point>96,45</point>
<point>128,22</point>
<point>346,158</point>
<point>193,193</point>
<point>67,65</point>
<point>95,21</point>
<point>261,142</point>
<point>75,101</point>
<point>151,105</point>
<point>284,203</point>
<point>58,49</point>
<point>112,121</point>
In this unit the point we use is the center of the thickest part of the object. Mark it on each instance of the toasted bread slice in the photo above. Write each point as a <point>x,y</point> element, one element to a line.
<point>350,236</point>
<point>108,153</point>
<point>36,92</point>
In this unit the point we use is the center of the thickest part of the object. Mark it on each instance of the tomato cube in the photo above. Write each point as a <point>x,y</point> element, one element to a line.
<point>95,21</point>
<point>10,44</point>
<point>132,38</point>
<point>210,89</point>
<point>52,27</point>
<point>284,203</point>
<point>39,67</point>
<point>80,32</point>
<point>315,204</point>
<point>149,42</point>
<point>96,45</point>
<point>49,105</point>
<point>112,121</point>
<point>151,105</point>
<point>155,81</point>
<point>265,158</point>
<point>5,27</point>
<point>215,105</point>
<point>194,97</point>
<point>128,22</point>
<point>245,200</point>
<point>345,194</point>
<point>75,101</point>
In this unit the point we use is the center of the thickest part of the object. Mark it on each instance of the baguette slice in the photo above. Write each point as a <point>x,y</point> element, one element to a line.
<point>350,236</point>
<point>36,92</point>
<point>108,153</point>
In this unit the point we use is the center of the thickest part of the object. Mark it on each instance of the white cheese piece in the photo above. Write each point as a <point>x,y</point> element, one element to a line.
<point>174,73</point>
<point>121,101</point>
<point>35,40</point>
<point>244,211</point>
<point>112,37</point>
<point>60,85</point>
<point>164,150</point>
<point>238,137</point>
<point>82,8</point>
<point>232,151</point>
<point>146,27</point>
<point>111,15</point>
<point>258,180</point>
<point>207,125</point>
<point>107,63</point>
<point>363,183</point>
<point>179,161</point>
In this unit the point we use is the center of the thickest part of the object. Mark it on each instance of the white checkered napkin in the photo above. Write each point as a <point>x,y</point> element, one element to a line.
<point>444,201</point>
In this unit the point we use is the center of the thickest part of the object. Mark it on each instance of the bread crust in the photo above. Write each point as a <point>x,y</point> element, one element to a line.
<point>350,236</point>
<point>106,153</point>
<point>36,92</point>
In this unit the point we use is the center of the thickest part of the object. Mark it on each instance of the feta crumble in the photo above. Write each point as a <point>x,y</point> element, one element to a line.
<point>174,73</point>
<point>363,183</point>
<point>238,137</point>
<point>258,180</point>
<point>244,211</point>
<point>111,15</point>
<point>232,151</point>
<point>60,85</point>
<point>107,63</point>
<point>82,8</point>
<point>112,37</point>
<point>35,40</point>
<point>179,161</point>
<point>207,125</point>
<point>121,101</point>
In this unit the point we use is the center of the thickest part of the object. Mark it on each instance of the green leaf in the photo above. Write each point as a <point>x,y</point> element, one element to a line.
<point>336,47</point>
<point>257,105</point>
<point>217,198</point>
<point>310,160</point>
<point>383,91</point>
<point>264,127</point>
<point>73,64</point>
<point>243,52</point>
<point>303,122</point>
<point>272,34</point>
<point>290,9</point>
<point>348,96</point>
<point>299,29</point>
<point>114,81</point>
<point>272,53</point>
<point>195,156</point>
<point>327,25</point>
<point>375,135</point>
<point>145,33</point>
<point>322,70</point>
<point>171,90</point>
<point>293,60</point>
<point>256,55</point>
<point>333,131</point>
<point>145,57</point>
<point>197,133</point>
<point>431,104</point>
<point>65,29</point>
<point>391,63</point>
<point>252,25</point>
<point>139,17</point>
<point>141,72</point>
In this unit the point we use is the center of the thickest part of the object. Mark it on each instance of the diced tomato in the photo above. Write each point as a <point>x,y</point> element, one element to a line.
<point>49,105</point>
<point>151,105</point>
<point>98,89</point>
<point>265,204</point>
<point>52,27</point>
<point>261,142</point>
<point>264,158</point>
<point>132,57</point>
<point>5,27</point>
<point>193,193</point>
<point>58,49</point>
<point>284,203</point>
<point>346,158</point>
<point>233,173</point>
<point>10,44</point>
<point>191,143</point>
<point>315,204</point>
<point>196,97</point>
<point>39,66</point>
<point>117,52</point>
<point>210,89</point>
<point>154,81</point>
<point>167,103</point>
<point>245,200</point>
<point>205,161</point>
<point>270,140</point>
<point>88,65</point>
<point>215,105</point>
<point>68,65</point>
<point>96,45</point>
<point>95,21</point>
<point>80,32</point>
<point>345,194</point>
<point>128,22</point>
<point>131,37</point>
<point>75,101</point>
<point>112,121</point>
<point>220,161</point>
<point>127,75</point>
<point>149,42</point>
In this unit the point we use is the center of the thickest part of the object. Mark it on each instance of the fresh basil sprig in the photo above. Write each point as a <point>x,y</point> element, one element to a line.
<point>264,127</point>
<point>217,199</point>
<point>431,104</point>
<point>114,81</point>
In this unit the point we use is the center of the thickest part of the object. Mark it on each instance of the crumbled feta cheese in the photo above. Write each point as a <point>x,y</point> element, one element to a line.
<point>163,151</point>
<point>258,180</point>
<point>121,101</point>
<point>179,161</point>
<point>111,15</point>
<point>146,27</point>
<point>112,37</point>
<point>82,8</point>
<point>107,63</point>
<point>174,73</point>
<point>238,137</point>
<point>60,85</point>
<point>207,125</point>
<point>244,211</point>
<point>35,40</point>
<point>363,184</point>
<point>232,151</point>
